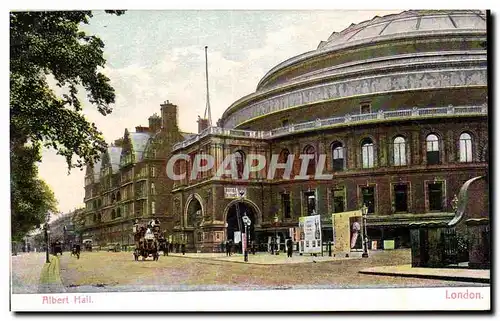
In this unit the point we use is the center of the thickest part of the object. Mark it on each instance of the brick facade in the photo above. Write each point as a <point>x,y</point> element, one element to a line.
<point>130,181</point>
<point>263,196</point>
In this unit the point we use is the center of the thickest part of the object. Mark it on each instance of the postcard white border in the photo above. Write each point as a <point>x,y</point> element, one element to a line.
<point>300,300</point>
<point>403,299</point>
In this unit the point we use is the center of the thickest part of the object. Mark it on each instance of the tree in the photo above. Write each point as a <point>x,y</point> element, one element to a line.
<point>42,44</point>
<point>31,197</point>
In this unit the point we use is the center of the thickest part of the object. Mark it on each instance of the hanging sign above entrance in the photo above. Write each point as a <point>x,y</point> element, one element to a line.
<point>235,192</point>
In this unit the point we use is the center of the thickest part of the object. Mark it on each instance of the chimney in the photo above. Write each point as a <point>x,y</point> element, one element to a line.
<point>154,123</point>
<point>169,117</point>
<point>202,124</point>
<point>141,129</point>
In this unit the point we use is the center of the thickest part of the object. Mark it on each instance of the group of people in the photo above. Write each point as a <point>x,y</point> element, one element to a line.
<point>229,247</point>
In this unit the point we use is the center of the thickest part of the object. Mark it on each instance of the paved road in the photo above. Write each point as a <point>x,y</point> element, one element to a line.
<point>105,272</point>
<point>26,270</point>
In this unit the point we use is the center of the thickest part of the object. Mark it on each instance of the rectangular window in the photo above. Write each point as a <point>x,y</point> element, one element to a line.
<point>435,196</point>
<point>365,108</point>
<point>153,208</point>
<point>153,171</point>
<point>401,198</point>
<point>310,201</point>
<point>285,205</point>
<point>368,197</point>
<point>339,200</point>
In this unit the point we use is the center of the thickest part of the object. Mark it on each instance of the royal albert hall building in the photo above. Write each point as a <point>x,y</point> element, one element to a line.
<point>397,104</point>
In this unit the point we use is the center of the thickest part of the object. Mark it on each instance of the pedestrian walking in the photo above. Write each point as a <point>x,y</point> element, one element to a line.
<point>289,244</point>
<point>183,248</point>
<point>229,247</point>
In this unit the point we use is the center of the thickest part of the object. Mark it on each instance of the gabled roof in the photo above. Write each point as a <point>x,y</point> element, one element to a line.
<point>139,142</point>
<point>114,157</point>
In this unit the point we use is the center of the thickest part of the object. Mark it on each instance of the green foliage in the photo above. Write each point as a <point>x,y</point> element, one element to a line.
<point>46,43</point>
<point>31,197</point>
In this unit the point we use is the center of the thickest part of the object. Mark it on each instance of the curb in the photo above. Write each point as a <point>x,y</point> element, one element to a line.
<point>254,263</point>
<point>435,277</point>
<point>50,278</point>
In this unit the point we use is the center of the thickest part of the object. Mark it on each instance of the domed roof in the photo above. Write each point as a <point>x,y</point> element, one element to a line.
<point>419,21</point>
<point>411,23</point>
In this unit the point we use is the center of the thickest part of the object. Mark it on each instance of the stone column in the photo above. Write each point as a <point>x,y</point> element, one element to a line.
<point>381,151</point>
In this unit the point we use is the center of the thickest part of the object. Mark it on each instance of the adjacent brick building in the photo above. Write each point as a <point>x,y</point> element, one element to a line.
<point>129,182</point>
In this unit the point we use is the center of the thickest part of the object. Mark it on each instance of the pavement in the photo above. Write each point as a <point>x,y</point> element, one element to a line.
<point>452,274</point>
<point>30,274</point>
<point>26,269</point>
<point>263,258</point>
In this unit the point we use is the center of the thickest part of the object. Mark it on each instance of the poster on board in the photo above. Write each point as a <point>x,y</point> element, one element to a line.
<point>310,234</point>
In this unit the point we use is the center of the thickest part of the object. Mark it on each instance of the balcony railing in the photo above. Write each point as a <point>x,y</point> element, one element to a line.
<point>351,119</point>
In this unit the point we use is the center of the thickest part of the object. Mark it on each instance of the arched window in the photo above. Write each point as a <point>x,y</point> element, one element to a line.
<point>311,167</point>
<point>240,162</point>
<point>399,151</point>
<point>337,156</point>
<point>113,215</point>
<point>465,148</point>
<point>367,153</point>
<point>153,189</point>
<point>432,149</point>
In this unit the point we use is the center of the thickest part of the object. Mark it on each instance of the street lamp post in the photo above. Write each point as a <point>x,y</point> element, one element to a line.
<point>239,218</point>
<point>46,230</point>
<point>47,239</point>
<point>364,212</point>
<point>246,222</point>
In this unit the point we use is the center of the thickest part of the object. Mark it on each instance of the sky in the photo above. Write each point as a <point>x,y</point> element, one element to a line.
<point>158,55</point>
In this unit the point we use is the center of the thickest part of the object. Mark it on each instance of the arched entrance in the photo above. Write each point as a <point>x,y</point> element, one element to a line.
<point>234,219</point>
<point>194,213</point>
<point>193,236</point>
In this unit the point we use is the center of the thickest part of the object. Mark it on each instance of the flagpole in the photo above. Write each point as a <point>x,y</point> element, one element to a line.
<point>207,110</point>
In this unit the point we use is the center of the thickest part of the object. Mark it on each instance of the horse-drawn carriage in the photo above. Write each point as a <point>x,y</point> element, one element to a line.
<point>146,240</point>
<point>57,248</point>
